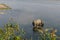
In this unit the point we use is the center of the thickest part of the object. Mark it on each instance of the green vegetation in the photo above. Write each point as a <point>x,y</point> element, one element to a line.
<point>46,35</point>
<point>12,31</point>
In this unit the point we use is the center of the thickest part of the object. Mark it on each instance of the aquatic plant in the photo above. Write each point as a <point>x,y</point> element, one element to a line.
<point>11,31</point>
<point>46,35</point>
<point>14,32</point>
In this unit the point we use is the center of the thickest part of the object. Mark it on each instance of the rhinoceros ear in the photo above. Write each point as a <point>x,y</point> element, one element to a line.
<point>33,23</point>
<point>42,23</point>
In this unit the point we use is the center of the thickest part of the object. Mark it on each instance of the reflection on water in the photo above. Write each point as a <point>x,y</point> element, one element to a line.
<point>25,20</point>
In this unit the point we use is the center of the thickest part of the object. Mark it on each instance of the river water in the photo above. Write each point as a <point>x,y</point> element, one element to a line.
<point>25,12</point>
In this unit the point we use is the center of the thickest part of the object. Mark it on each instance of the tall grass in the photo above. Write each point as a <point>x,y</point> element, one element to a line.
<point>12,31</point>
<point>46,35</point>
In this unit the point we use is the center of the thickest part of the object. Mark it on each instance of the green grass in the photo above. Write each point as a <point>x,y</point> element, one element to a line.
<point>9,30</point>
<point>8,33</point>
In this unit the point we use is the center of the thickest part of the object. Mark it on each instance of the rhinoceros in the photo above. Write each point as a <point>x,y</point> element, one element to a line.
<point>38,24</point>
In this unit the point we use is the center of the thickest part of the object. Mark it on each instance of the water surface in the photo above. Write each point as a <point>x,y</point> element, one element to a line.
<point>24,12</point>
